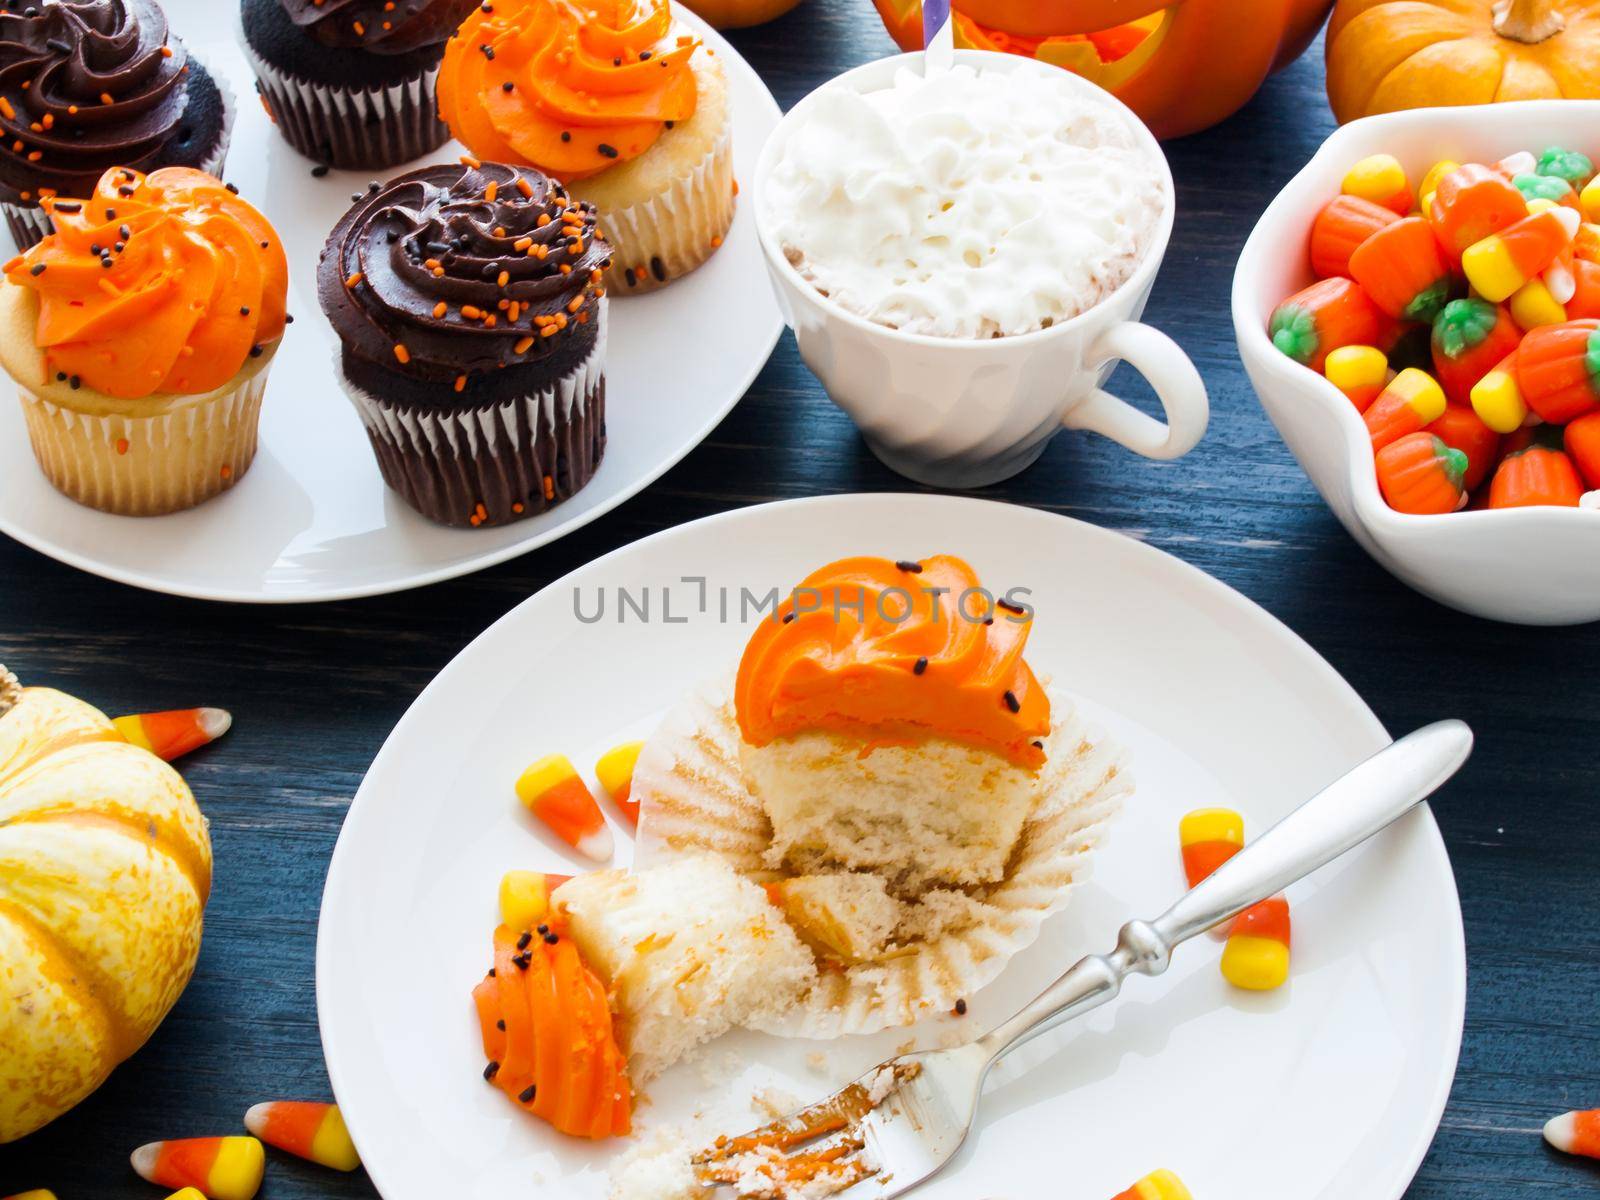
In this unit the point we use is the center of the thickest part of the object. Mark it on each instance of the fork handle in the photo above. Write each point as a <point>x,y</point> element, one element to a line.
<point>1341,816</point>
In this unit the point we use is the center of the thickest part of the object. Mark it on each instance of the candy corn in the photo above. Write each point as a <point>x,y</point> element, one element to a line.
<point>525,897</point>
<point>1207,838</point>
<point>1589,199</point>
<point>187,1194</point>
<point>1558,370</point>
<point>1158,1185</point>
<point>1460,428</point>
<point>1381,179</point>
<point>555,794</point>
<point>1430,182</point>
<point>1497,399</point>
<point>1532,305</point>
<point>37,1194</point>
<point>1469,204</point>
<point>1468,338</point>
<point>310,1130</point>
<point>615,772</point>
<point>1401,268</point>
<point>1360,372</point>
<point>1582,442</point>
<point>1342,225</point>
<point>1496,266</point>
<point>1257,954</point>
<point>1575,1133</point>
<point>1411,401</point>
<point>1321,318</point>
<point>1421,475</point>
<point>173,734</point>
<point>224,1168</point>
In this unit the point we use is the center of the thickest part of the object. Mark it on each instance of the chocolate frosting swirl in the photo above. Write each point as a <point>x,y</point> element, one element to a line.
<point>86,85</point>
<point>452,271</point>
<point>379,25</point>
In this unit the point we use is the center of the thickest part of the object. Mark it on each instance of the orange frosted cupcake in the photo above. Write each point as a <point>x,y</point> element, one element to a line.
<point>613,99</point>
<point>139,334</point>
<point>890,724</point>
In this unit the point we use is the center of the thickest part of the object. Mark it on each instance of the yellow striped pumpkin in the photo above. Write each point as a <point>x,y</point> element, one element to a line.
<point>105,866</point>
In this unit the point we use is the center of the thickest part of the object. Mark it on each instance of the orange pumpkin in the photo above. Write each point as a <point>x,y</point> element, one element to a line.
<point>737,14</point>
<point>1385,55</point>
<point>1182,66</point>
<point>104,870</point>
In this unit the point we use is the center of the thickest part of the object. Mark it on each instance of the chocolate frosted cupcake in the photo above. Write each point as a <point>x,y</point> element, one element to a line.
<point>470,304</point>
<point>350,83</point>
<point>86,85</point>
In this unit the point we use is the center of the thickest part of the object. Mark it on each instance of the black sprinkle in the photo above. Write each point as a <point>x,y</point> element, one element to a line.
<point>528,1093</point>
<point>988,620</point>
<point>1012,702</point>
<point>288,318</point>
<point>488,51</point>
<point>106,262</point>
<point>670,124</point>
<point>38,269</point>
<point>961,1008</point>
<point>1010,607</point>
<point>1038,745</point>
<point>616,62</point>
<point>486,6</point>
<point>608,151</point>
<point>61,376</point>
<point>789,616</point>
<point>522,961</point>
<point>551,939</point>
<point>68,206</point>
<point>232,187</point>
<point>644,56</point>
<point>244,310</point>
<point>491,1071</point>
<point>96,248</point>
<point>491,972</point>
<point>542,930</point>
<point>354,197</point>
<point>122,190</point>
<point>120,247</point>
<point>264,245</point>
<point>922,665</point>
<point>255,351</point>
<point>909,566</point>
<point>501,1024</point>
<point>566,136</point>
<point>522,942</point>
<point>125,233</point>
<point>55,44</point>
<point>508,86</point>
<point>74,382</point>
<point>321,169</point>
<point>658,269</point>
<point>374,186</point>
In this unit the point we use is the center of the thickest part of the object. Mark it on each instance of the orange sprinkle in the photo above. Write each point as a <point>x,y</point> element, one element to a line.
<point>490,192</point>
<point>461,383</point>
<point>522,243</point>
<point>354,280</point>
<point>504,305</point>
<point>549,331</point>
<point>49,120</point>
<point>5,107</point>
<point>72,110</point>
<point>440,309</point>
<point>505,278</point>
<point>549,488</point>
<point>517,507</point>
<point>524,187</point>
<point>227,471</point>
<point>122,445</point>
<point>577,303</point>
<point>471,312</point>
<point>402,353</point>
<point>490,321</point>
<point>468,161</point>
<point>544,219</point>
<point>35,155</point>
<point>513,311</point>
<point>566,268</point>
<point>361,30</point>
<point>105,98</point>
<point>431,263</point>
<point>166,52</point>
<point>522,346</point>
<point>438,272</point>
<point>715,242</point>
<point>735,187</point>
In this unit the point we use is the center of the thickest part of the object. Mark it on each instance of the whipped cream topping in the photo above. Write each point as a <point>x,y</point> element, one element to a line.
<point>976,204</point>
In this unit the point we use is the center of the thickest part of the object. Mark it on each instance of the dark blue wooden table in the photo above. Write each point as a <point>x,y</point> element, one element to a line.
<point>317,688</point>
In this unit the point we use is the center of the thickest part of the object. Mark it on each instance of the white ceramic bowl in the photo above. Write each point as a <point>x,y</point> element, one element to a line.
<point>1534,566</point>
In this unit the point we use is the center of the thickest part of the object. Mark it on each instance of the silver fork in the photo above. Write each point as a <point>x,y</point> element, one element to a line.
<point>881,1146</point>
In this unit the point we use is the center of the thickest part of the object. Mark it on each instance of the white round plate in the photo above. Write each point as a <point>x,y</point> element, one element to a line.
<point>1336,1081</point>
<point>313,520</point>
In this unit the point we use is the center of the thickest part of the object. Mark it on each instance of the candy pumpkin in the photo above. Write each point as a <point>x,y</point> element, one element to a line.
<point>1181,66</point>
<point>1385,55</point>
<point>737,14</point>
<point>105,866</point>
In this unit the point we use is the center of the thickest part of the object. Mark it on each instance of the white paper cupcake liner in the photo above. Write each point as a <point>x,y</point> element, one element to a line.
<point>148,465</point>
<point>658,239</point>
<point>693,798</point>
<point>30,224</point>
<point>447,463</point>
<point>352,128</point>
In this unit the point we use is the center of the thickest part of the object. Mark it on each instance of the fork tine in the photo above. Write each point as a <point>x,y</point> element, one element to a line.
<point>828,1115</point>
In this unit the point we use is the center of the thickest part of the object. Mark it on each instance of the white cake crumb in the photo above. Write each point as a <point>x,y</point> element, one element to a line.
<point>774,1102</point>
<point>657,1168</point>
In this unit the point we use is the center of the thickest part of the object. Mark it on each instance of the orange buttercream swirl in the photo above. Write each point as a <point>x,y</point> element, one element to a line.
<point>894,653</point>
<point>163,283</point>
<point>569,88</point>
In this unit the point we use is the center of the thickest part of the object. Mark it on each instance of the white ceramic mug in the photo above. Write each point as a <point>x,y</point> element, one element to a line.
<point>962,413</point>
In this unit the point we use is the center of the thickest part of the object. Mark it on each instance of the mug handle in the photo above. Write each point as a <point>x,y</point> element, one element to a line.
<point>1176,382</point>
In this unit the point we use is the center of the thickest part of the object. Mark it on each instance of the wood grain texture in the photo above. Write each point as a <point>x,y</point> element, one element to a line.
<point>317,688</point>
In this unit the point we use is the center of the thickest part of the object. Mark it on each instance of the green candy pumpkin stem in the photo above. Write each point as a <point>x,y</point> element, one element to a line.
<point>1528,21</point>
<point>10,690</point>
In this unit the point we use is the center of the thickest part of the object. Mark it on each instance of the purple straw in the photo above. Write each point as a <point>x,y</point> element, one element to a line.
<point>935,15</point>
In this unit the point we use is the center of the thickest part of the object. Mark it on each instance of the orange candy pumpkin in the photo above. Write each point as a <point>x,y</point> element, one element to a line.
<point>1535,475</point>
<point>1385,55</point>
<point>1181,66</point>
<point>1421,475</point>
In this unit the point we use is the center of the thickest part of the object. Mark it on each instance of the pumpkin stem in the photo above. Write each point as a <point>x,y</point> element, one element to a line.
<point>1528,21</point>
<point>10,690</point>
